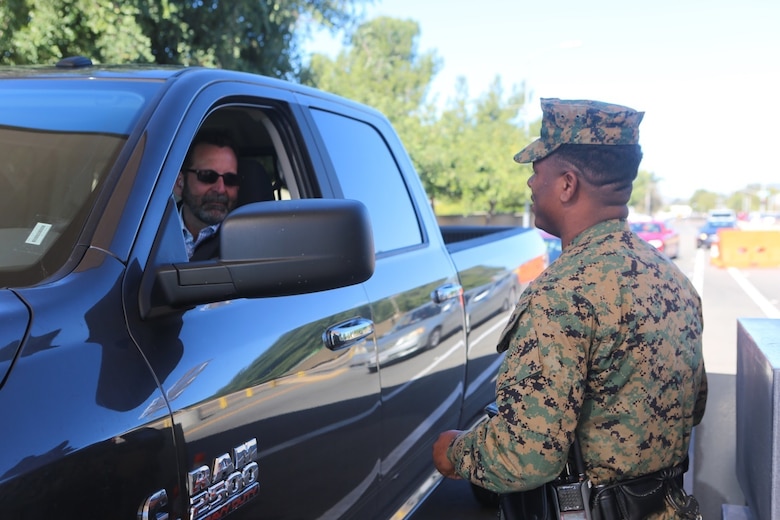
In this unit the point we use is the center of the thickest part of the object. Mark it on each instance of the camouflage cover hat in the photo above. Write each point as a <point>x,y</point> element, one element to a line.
<point>581,122</point>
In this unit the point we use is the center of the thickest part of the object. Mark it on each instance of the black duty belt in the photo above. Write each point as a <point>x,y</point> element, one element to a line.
<point>640,497</point>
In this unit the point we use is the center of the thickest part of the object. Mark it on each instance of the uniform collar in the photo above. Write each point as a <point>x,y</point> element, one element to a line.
<point>602,228</point>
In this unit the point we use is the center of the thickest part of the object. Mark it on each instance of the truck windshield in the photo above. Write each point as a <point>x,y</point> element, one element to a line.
<point>58,140</point>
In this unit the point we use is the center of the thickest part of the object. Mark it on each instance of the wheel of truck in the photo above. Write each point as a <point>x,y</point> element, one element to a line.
<point>484,497</point>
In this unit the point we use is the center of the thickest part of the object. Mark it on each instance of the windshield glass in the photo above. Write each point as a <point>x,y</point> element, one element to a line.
<point>58,140</point>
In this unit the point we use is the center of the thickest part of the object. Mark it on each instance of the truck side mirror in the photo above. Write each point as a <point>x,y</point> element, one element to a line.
<point>275,248</point>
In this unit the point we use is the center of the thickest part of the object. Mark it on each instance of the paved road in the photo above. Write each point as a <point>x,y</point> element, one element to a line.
<point>728,294</point>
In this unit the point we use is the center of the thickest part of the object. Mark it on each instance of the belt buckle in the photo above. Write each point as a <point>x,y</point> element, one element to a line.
<point>684,504</point>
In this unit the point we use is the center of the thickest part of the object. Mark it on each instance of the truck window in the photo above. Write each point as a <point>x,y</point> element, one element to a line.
<point>367,171</point>
<point>261,163</point>
<point>58,140</point>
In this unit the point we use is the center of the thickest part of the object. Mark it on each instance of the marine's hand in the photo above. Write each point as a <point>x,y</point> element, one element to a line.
<point>440,459</point>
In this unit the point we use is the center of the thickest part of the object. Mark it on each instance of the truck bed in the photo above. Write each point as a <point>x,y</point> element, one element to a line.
<point>471,246</point>
<point>495,264</point>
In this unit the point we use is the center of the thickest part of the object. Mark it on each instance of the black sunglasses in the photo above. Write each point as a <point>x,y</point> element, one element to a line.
<point>210,177</point>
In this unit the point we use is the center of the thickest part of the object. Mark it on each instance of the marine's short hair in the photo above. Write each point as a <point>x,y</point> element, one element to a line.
<point>602,165</point>
<point>609,169</point>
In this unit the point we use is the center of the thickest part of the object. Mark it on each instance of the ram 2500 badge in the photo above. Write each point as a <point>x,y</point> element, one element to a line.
<point>305,373</point>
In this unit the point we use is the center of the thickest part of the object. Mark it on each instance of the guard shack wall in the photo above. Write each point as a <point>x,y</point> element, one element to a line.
<point>758,417</point>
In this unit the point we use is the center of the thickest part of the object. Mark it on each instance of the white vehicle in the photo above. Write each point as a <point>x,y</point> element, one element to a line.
<point>721,215</point>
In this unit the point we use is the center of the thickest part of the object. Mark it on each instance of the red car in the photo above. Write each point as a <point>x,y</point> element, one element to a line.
<point>659,235</point>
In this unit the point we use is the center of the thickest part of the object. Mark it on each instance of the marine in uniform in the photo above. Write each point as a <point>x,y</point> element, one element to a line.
<point>605,346</point>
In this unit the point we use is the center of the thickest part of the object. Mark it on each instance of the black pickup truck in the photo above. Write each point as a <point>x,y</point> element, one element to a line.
<point>305,373</point>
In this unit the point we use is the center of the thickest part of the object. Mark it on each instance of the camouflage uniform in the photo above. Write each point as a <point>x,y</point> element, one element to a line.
<point>605,343</point>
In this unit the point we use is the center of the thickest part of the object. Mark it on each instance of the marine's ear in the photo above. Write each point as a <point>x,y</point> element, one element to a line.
<point>569,184</point>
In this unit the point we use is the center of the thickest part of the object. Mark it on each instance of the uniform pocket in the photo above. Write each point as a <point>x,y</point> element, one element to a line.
<point>523,355</point>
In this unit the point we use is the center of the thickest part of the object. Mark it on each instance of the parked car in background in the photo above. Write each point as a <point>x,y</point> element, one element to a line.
<point>716,220</point>
<point>658,234</point>
<point>721,215</point>
<point>417,330</point>
<point>708,233</point>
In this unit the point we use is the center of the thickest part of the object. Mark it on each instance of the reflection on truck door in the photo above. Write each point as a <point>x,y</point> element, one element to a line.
<point>421,347</point>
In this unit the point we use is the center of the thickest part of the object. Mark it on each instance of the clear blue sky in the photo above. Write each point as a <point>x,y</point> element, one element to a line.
<point>705,72</point>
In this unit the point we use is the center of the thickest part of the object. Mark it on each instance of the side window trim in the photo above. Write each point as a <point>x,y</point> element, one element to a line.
<point>366,169</point>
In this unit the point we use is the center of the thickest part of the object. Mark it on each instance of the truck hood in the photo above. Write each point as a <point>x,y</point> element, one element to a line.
<point>14,320</point>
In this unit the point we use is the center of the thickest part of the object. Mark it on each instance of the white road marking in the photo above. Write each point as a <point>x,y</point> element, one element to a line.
<point>698,271</point>
<point>758,298</point>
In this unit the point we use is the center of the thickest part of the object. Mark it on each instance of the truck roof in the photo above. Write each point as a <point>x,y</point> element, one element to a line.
<point>78,67</point>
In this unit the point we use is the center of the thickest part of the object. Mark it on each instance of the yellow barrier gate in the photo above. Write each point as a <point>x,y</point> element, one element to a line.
<point>746,248</point>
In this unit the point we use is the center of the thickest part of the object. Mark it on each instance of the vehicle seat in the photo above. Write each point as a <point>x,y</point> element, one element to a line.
<point>256,184</point>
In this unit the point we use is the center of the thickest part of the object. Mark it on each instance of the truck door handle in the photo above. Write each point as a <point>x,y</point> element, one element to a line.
<point>446,292</point>
<point>347,332</point>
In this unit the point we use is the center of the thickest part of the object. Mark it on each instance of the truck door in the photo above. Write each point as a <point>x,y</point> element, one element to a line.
<point>272,422</point>
<point>416,301</point>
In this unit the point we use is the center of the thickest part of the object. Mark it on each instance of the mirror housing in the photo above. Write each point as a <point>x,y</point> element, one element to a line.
<point>276,248</point>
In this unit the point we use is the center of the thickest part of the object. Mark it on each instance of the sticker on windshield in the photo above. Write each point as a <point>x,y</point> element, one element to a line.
<point>39,232</point>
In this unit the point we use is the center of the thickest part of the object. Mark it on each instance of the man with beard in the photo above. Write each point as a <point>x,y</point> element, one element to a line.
<point>208,184</point>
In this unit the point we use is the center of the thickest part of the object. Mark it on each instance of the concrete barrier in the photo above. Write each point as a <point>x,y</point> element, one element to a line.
<point>758,416</point>
<point>746,248</point>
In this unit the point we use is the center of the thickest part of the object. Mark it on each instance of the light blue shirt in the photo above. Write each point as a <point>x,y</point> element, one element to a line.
<point>190,242</point>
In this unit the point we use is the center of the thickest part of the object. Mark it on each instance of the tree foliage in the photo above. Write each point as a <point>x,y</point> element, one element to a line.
<point>703,201</point>
<point>753,197</point>
<point>43,31</point>
<point>480,138</point>
<point>262,36</point>
<point>645,196</point>
<point>381,68</point>
<point>462,153</point>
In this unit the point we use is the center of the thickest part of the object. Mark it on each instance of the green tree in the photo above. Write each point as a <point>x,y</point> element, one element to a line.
<point>382,68</point>
<point>645,197</point>
<point>702,201</point>
<point>481,139</point>
<point>462,153</point>
<point>437,158</point>
<point>262,36</point>
<point>43,31</point>
<point>753,197</point>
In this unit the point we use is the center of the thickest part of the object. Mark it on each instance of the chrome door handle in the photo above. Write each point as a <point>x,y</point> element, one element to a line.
<point>347,332</point>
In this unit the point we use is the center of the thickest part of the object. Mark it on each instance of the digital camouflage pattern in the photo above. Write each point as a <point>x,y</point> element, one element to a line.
<point>607,343</point>
<point>581,122</point>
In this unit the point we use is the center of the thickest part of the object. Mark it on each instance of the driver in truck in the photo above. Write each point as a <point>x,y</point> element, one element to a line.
<point>208,184</point>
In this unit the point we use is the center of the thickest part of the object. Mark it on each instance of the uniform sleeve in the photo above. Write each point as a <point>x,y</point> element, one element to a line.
<point>539,396</point>
<point>701,397</point>
<point>701,376</point>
